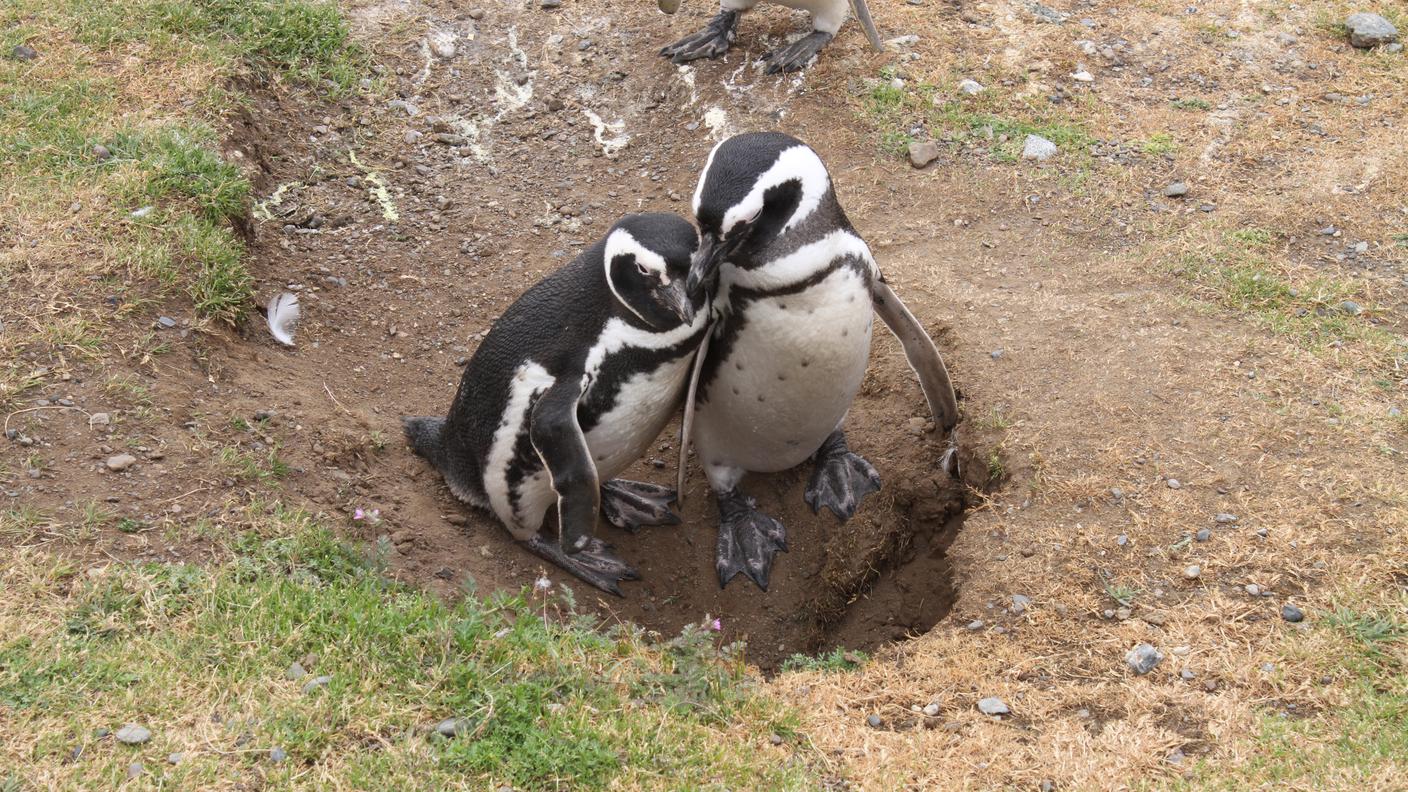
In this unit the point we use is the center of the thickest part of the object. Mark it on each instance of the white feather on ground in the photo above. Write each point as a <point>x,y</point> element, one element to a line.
<point>283,314</point>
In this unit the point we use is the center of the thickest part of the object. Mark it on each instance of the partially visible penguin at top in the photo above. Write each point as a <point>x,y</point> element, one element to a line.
<point>718,36</point>
<point>571,386</point>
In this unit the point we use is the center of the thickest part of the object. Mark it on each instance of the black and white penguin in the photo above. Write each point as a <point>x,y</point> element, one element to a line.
<point>570,386</point>
<point>797,290</point>
<point>718,36</point>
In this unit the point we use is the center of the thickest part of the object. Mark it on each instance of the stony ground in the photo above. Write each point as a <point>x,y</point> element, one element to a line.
<point>1178,341</point>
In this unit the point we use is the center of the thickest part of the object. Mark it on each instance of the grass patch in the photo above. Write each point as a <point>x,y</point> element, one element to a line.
<point>1191,104</point>
<point>836,660</point>
<point>199,656</point>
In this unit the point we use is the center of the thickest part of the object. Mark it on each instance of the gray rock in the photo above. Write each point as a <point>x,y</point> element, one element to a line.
<point>1143,658</point>
<point>453,727</point>
<point>1253,589</point>
<point>101,153</point>
<point>1192,571</point>
<point>24,52</point>
<point>550,4</point>
<point>1176,190</point>
<point>992,705</point>
<point>1020,603</point>
<point>121,462</point>
<point>1394,48</point>
<point>1038,148</point>
<point>411,136</point>
<point>971,87</point>
<point>135,769</point>
<point>295,672</point>
<point>277,755</point>
<point>1351,307</point>
<point>1225,518</point>
<point>1370,30</point>
<point>1291,613</point>
<point>873,721</point>
<point>975,625</point>
<point>923,153</point>
<point>132,734</point>
<point>165,321</point>
<point>1122,540</point>
<point>175,758</point>
<point>1203,535</point>
<point>99,419</point>
<point>315,683</point>
<point>1174,484</point>
<point>931,709</point>
<point>996,353</point>
<point>1286,39</point>
<point>1186,675</point>
<point>775,739</point>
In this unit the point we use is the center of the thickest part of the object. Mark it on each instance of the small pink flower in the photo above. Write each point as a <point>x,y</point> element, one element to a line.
<point>542,584</point>
<point>358,514</point>
<point>716,625</point>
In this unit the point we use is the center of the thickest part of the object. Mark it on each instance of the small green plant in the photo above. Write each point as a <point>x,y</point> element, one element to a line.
<point>997,469</point>
<point>1191,104</point>
<point>1124,595</point>
<point>1252,237</point>
<point>836,660</point>
<point>1159,144</point>
<point>129,525</point>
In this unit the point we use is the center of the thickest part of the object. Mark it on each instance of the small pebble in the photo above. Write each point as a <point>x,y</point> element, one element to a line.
<point>1174,484</point>
<point>971,87</point>
<point>1038,148</point>
<point>121,462</point>
<point>1253,589</point>
<point>1351,307</point>
<point>1225,519</point>
<point>873,721</point>
<point>992,705</point>
<point>1268,667</point>
<point>975,625</point>
<point>135,769</point>
<point>1291,613</point>
<point>1186,675</point>
<point>175,758</point>
<point>1203,535</point>
<point>931,709</point>
<point>775,739</point>
<point>1192,571</point>
<point>1176,190</point>
<point>315,683</point>
<point>1143,658</point>
<point>24,52</point>
<point>277,755</point>
<point>1122,540</point>
<point>295,672</point>
<point>995,354</point>
<point>132,734</point>
<point>453,727</point>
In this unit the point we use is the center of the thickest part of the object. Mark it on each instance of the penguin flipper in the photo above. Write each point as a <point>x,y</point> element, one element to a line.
<point>687,423</point>
<point>842,478</point>
<point>920,351</point>
<point>748,540</point>
<point>595,563</point>
<point>561,444</point>
<point>629,505</point>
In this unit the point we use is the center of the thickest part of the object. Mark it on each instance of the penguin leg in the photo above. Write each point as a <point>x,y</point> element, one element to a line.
<point>841,478</point>
<point>560,443</point>
<point>748,540</point>
<point>631,504</point>
<point>711,42</point>
<point>595,563</point>
<point>797,55</point>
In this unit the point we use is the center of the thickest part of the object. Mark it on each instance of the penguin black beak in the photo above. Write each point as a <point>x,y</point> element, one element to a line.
<point>704,266</point>
<point>675,298</point>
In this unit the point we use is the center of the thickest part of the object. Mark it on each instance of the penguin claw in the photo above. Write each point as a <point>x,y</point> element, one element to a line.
<point>841,479</point>
<point>629,505</point>
<point>597,564</point>
<point>797,55</point>
<point>748,540</point>
<point>711,42</point>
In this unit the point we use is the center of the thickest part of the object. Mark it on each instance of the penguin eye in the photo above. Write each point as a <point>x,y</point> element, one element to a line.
<point>644,273</point>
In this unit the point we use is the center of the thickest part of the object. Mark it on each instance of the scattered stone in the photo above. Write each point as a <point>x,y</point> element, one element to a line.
<point>901,42</point>
<point>1143,658</point>
<point>1370,30</point>
<point>175,758</point>
<point>99,419</point>
<point>295,672</point>
<point>1174,484</point>
<point>1286,39</point>
<point>1253,589</point>
<point>1176,190</point>
<point>1225,519</point>
<point>1394,48</point>
<point>1123,614</point>
<point>549,4</point>
<point>971,87</point>
<point>135,769</point>
<point>996,353</point>
<point>132,734</point>
<point>448,138</point>
<point>975,625</point>
<point>1192,571</point>
<point>1186,675</point>
<point>1038,148</point>
<point>442,43</point>
<point>1351,307</point>
<point>277,755</point>
<point>411,136</point>
<point>1207,207</point>
<point>1176,757</point>
<point>1291,613</point>
<point>101,153</point>
<point>121,462</point>
<point>24,52</point>
<point>315,683</point>
<point>1122,540</point>
<point>1083,76</point>
<point>453,727</point>
<point>1203,535</point>
<point>775,739</point>
<point>166,321</point>
<point>1020,604</point>
<point>992,705</point>
<point>1268,667</point>
<point>138,214</point>
<point>923,153</point>
<point>873,721</point>
<point>931,709</point>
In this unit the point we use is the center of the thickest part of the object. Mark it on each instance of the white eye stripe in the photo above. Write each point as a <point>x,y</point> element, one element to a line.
<point>620,243</point>
<point>799,163</point>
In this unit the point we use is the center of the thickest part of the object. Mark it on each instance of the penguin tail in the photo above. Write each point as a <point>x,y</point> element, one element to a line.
<point>424,434</point>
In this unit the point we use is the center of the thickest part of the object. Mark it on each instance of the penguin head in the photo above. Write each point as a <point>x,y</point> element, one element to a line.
<point>755,187</point>
<point>647,258</point>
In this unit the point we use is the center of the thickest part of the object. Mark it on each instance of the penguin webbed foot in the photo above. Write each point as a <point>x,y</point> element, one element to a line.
<point>596,563</point>
<point>797,55</point>
<point>629,505</point>
<point>748,540</point>
<point>841,479</point>
<point>713,41</point>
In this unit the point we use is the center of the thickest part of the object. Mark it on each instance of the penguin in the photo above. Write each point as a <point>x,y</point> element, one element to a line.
<point>571,385</point>
<point>797,290</point>
<point>718,36</point>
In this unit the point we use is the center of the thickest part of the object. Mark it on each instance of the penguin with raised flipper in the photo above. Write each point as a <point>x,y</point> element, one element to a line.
<point>718,36</point>
<point>570,386</point>
<point>797,291</point>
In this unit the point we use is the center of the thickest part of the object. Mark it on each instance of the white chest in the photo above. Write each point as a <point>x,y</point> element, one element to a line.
<point>644,404</point>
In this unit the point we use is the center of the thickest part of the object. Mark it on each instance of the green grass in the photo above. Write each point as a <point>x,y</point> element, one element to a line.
<point>1191,104</point>
<point>836,660</point>
<point>1158,144</point>
<point>1360,742</point>
<point>551,699</point>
